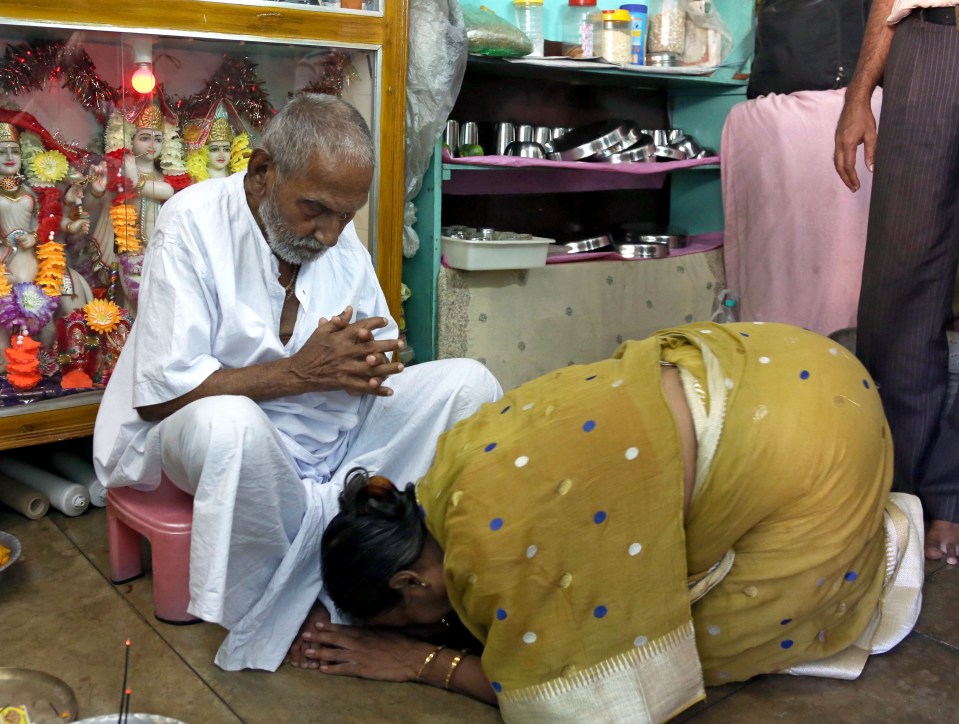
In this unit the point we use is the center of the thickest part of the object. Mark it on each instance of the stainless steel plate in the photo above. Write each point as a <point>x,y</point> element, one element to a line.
<point>13,544</point>
<point>672,241</point>
<point>46,697</point>
<point>589,140</point>
<point>636,154</point>
<point>643,251</point>
<point>579,246</point>
<point>638,232</point>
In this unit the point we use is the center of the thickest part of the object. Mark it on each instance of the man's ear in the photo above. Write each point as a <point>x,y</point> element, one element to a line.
<point>260,173</point>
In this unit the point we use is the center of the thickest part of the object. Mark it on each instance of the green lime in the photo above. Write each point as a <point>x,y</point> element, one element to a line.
<point>471,149</point>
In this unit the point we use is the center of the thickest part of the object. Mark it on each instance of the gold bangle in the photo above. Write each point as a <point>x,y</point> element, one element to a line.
<point>449,674</point>
<point>426,662</point>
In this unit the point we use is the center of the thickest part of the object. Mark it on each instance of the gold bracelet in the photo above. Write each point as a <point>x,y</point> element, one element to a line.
<point>449,674</point>
<point>426,662</point>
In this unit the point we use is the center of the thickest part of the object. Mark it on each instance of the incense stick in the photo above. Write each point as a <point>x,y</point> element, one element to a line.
<point>124,692</point>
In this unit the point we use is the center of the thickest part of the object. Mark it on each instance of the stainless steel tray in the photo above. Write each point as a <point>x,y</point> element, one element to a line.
<point>47,698</point>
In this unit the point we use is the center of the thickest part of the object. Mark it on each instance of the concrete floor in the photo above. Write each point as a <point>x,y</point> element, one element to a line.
<point>60,614</point>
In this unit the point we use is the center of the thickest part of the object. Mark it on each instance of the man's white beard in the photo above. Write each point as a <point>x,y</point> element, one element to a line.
<point>285,244</point>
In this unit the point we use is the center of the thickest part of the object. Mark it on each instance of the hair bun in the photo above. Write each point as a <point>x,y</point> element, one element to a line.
<point>375,495</point>
<point>379,488</point>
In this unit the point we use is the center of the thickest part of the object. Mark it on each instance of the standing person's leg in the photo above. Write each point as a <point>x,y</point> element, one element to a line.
<point>248,501</point>
<point>910,263</point>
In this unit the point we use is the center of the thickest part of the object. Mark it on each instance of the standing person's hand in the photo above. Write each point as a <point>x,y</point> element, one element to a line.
<point>341,355</point>
<point>857,125</point>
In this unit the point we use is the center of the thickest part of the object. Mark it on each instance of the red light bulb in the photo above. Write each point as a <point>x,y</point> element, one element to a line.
<point>143,80</point>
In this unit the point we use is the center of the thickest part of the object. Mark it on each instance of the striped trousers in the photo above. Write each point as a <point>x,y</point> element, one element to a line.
<point>912,250</point>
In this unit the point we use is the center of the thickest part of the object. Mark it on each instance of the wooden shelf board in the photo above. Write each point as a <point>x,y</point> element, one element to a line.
<point>48,421</point>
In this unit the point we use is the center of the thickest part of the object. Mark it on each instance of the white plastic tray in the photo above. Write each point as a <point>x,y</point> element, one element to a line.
<point>483,254</point>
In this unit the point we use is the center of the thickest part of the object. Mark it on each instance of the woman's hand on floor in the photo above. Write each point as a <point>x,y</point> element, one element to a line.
<point>365,653</point>
<point>304,639</point>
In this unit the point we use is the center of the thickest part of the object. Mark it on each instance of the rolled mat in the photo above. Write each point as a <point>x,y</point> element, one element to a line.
<point>69,498</point>
<point>77,470</point>
<point>22,499</point>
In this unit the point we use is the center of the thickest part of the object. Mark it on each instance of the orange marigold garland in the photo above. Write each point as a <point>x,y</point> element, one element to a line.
<point>124,218</point>
<point>5,286</point>
<point>53,265</point>
<point>22,364</point>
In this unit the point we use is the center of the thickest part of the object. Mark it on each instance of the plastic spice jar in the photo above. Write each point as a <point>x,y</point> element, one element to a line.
<point>612,36</point>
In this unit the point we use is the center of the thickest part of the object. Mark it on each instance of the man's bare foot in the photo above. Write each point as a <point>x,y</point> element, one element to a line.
<point>296,656</point>
<point>942,541</point>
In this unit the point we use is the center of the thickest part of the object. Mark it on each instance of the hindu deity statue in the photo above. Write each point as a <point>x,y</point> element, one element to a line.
<point>18,211</point>
<point>144,168</point>
<point>35,284</point>
<point>215,146</point>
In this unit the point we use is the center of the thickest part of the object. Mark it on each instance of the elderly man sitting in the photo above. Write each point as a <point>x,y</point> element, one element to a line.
<point>260,371</point>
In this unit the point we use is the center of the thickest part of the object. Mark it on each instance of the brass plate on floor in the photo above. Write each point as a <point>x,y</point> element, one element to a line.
<point>47,698</point>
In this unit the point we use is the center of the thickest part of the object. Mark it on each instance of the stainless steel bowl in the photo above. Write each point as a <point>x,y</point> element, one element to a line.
<point>688,145</point>
<point>525,149</point>
<point>667,153</point>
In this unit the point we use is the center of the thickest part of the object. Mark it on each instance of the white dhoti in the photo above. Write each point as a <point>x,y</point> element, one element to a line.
<point>257,524</point>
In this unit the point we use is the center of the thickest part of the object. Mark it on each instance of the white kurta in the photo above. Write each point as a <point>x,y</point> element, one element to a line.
<point>265,475</point>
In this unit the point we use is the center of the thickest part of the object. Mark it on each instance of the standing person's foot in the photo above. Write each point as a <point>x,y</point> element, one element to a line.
<point>942,541</point>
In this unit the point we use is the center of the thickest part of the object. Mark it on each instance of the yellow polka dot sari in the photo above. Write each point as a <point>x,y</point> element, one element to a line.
<point>560,512</point>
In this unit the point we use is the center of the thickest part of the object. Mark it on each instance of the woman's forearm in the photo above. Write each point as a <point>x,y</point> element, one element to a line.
<point>463,675</point>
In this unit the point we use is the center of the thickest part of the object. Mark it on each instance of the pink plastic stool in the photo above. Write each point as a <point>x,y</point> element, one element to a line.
<point>164,517</point>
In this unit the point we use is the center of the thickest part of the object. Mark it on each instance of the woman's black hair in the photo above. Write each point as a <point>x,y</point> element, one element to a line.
<point>377,533</point>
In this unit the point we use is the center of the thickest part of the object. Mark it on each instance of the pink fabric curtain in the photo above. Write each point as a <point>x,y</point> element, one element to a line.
<point>794,234</point>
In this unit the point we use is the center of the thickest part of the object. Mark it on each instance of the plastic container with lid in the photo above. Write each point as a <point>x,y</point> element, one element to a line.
<point>529,19</point>
<point>576,27</point>
<point>666,31</point>
<point>612,36</point>
<point>638,15</point>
